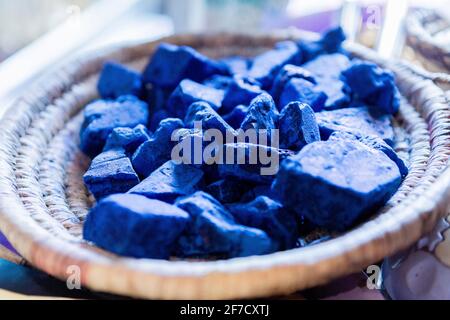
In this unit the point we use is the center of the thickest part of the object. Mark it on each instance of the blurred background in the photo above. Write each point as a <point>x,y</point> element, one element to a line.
<point>24,21</point>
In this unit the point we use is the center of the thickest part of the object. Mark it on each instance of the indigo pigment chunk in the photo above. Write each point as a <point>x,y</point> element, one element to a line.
<point>127,138</point>
<point>154,152</point>
<point>135,226</point>
<point>330,42</point>
<point>334,183</point>
<point>375,143</point>
<point>204,114</point>
<point>110,172</point>
<point>287,73</point>
<point>266,65</point>
<point>189,92</point>
<point>298,126</point>
<point>262,114</point>
<point>327,70</point>
<point>170,181</point>
<point>303,91</point>
<point>240,91</point>
<point>170,64</point>
<point>117,80</point>
<point>212,230</point>
<point>355,120</point>
<point>102,116</point>
<point>373,85</point>
<point>270,216</point>
<point>237,65</point>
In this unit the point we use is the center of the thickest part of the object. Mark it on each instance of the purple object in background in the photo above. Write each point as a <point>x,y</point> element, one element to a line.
<point>4,242</point>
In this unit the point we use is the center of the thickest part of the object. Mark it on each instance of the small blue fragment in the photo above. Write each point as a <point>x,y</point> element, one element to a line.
<point>262,114</point>
<point>127,138</point>
<point>298,126</point>
<point>135,226</point>
<point>373,85</point>
<point>375,143</point>
<point>213,231</point>
<point>102,116</point>
<point>266,65</point>
<point>170,64</point>
<point>110,172</point>
<point>355,120</point>
<point>334,183</point>
<point>154,152</point>
<point>287,73</point>
<point>117,80</point>
<point>170,181</point>
<point>270,216</point>
<point>303,91</point>
<point>202,112</point>
<point>189,92</point>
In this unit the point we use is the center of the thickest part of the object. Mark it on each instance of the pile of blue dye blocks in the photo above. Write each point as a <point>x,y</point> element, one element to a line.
<point>337,164</point>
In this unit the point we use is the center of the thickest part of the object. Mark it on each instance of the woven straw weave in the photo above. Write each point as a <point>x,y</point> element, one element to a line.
<point>43,201</point>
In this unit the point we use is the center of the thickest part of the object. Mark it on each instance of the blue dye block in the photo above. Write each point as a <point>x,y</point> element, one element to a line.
<point>237,65</point>
<point>227,190</point>
<point>236,116</point>
<point>266,65</point>
<point>202,112</point>
<point>170,64</point>
<point>298,126</point>
<point>303,91</point>
<point>213,230</point>
<point>328,65</point>
<point>245,162</point>
<point>110,172</point>
<point>170,181</point>
<point>154,152</point>
<point>375,143</point>
<point>270,216</point>
<point>240,91</point>
<point>135,226</point>
<point>338,93</point>
<point>355,120</point>
<point>127,138</point>
<point>117,80</point>
<point>373,85</point>
<point>262,114</point>
<point>219,82</point>
<point>287,73</point>
<point>102,116</point>
<point>189,92</point>
<point>334,183</point>
<point>330,42</point>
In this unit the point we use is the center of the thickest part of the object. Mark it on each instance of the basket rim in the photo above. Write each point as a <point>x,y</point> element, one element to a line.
<point>16,228</point>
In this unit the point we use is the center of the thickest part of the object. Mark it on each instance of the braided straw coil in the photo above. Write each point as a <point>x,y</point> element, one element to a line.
<point>428,34</point>
<point>43,201</point>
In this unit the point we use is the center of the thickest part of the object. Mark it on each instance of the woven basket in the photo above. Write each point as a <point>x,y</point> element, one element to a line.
<point>43,201</point>
<point>422,28</point>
